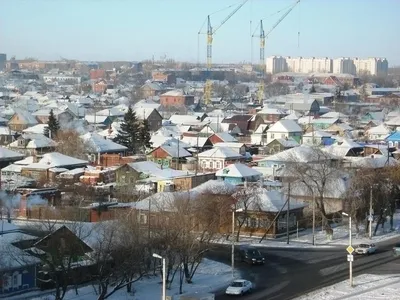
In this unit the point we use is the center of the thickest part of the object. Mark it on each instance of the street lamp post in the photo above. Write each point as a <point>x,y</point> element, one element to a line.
<point>233,240</point>
<point>163,275</point>
<point>350,257</point>
<point>370,215</point>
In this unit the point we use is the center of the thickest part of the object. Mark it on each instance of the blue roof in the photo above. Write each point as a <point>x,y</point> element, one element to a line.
<point>394,137</point>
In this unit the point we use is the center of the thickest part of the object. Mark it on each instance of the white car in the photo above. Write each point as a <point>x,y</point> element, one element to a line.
<point>239,287</point>
<point>365,249</point>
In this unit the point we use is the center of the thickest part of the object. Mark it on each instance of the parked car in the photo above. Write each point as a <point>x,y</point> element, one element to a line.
<point>365,249</point>
<point>396,250</point>
<point>251,255</point>
<point>239,287</point>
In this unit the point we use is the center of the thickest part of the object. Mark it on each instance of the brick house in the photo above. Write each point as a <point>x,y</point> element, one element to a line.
<point>97,74</point>
<point>246,123</point>
<point>222,137</point>
<point>333,80</point>
<point>176,98</point>
<point>99,87</point>
<point>168,156</point>
<point>151,89</point>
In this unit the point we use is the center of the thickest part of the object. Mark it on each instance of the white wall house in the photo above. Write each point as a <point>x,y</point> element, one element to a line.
<point>316,138</point>
<point>284,129</point>
<point>259,137</point>
<point>378,133</point>
<point>218,158</point>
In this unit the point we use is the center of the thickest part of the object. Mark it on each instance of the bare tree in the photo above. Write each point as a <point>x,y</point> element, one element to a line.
<point>317,172</point>
<point>70,143</point>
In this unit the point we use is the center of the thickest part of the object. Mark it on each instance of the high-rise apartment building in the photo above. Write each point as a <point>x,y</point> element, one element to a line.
<point>3,61</point>
<point>275,64</point>
<point>343,65</point>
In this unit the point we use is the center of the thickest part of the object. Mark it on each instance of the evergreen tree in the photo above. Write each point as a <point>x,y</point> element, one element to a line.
<point>129,133</point>
<point>52,126</point>
<point>144,135</point>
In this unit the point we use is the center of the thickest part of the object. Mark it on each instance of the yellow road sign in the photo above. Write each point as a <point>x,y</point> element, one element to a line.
<point>350,249</point>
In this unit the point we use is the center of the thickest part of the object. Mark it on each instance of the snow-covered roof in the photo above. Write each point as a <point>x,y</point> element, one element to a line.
<point>220,152</point>
<point>285,126</point>
<point>261,199</point>
<point>143,113</point>
<point>232,145</point>
<point>380,129</point>
<point>146,104</point>
<point>100,144</point>
<point>317,134</point>
<point>39,128</point>
<point>159,140</point>
<point>261,128</point>
<point>217,187</point>
<point>292,116</point>
<point>238,170</point>
<point>25,117</point>
<point>46,112</point>
<point>112,112</point>
<point>185,119</point>
<point>176,93</point>
<point>287,143</point>
<point>95,119</point>
<point>373,162</point>
<point>303,154</point>
<point>194,141</point>
<point>26,161</point>
<point>333,115</point>
<point>6,154</point>
<point>35,141</point>
<point>153,170</point>
<point>175,151</point>
<point>342,148</point>
<point>6,131</point>
<point>226,137</point>
<point>55,159</point>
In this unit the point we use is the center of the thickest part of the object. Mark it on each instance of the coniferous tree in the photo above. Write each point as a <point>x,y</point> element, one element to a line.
<point>145,135</point>
<point>52,126</point>
<point>129,133</point>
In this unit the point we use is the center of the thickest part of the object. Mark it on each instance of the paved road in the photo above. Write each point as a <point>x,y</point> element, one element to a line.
<point>289,272</point>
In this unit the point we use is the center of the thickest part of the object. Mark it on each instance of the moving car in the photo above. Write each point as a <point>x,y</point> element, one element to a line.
<point>396,250</point>
<point>239,287</point>
<point>365,249</point>
<point>251,255</point>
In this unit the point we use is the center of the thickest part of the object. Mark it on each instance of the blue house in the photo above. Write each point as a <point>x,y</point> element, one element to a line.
<point>17,267</point>
<point>394,139</point>
<point>238,173</point>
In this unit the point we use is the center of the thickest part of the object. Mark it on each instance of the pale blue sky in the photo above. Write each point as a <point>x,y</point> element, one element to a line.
<point>138,29</point>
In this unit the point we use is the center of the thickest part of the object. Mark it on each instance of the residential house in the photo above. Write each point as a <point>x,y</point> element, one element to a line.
<point>167,78</point>
<point>99,86</point>
<point>21,120</point>
<point>238,173</point>
<point>152,89</point>
<point>217,158</point>
<point>6,135</point>
<point>267,211</point>
<point>339,129</point>
<point>8,157</point>
<point>238,147</point>
<point>197,143</point>
<point>99,144</point>
<point>151,115</point>
<point>272,115</point>
<point>169,157</point>
<point>323,123</point>
<point>39,169</point>
<point>222,137</point>
<point>284,129</point>
<point>33,144</point>
<point>229,128</point>
<point>394,140</point>
<point>309,107</point>
<point>279,145</point>
<point>378,133</point>
<point>39,128</point>
<point>259,137</point>
<point>62,116</point>
<point>318,138</point>
<point>246,123</point>
<point>393,123</point>
<point>99,121</point>
<point>176,98</point>
<point>17,275</point>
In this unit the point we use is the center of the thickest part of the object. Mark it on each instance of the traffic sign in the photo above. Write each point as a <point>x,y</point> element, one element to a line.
<point>350,257</point>
<point>350,249</point>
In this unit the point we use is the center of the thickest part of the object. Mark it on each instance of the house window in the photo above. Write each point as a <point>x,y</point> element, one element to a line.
<point>272,136</point>
<point>203,164</point>
<point>283,136</point>
<point>211,164</point>
<point>218,165</point>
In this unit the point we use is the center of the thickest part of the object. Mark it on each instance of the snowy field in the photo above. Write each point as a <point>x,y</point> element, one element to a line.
<point>210,276</point>
<point>340,237</point>
<point>366,287</point>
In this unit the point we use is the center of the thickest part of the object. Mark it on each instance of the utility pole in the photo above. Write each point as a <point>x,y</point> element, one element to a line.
<point>288,216</point>
<point>351,260</point>
<point>177,159</point>
<point>370,214</point>
<point>313,220</point>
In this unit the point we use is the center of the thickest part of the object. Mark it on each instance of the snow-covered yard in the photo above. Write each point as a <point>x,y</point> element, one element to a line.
<point>366,287</point>
<point>340,237</point>
<point>210,276</point>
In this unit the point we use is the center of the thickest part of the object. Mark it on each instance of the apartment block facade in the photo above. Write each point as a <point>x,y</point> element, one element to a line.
<point>343,65</point>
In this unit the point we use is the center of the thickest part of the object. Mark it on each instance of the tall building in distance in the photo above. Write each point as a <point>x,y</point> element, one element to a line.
<point>3,61</point>
<point>343,65</point>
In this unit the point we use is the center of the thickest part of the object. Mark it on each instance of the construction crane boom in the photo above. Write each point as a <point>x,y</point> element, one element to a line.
<point>263,36</point>
<point>210,32</point>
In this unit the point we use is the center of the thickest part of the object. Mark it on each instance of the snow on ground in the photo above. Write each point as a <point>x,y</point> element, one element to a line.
<point>210,276</point>
<point>340,237</point>
<point>366,287</point>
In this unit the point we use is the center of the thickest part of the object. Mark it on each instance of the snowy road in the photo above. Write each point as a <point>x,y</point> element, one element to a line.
<point>290,272</point>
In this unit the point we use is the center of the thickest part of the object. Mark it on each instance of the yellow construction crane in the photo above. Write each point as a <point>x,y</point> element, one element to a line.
<point>263,36</point>
<point>210,32</point>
